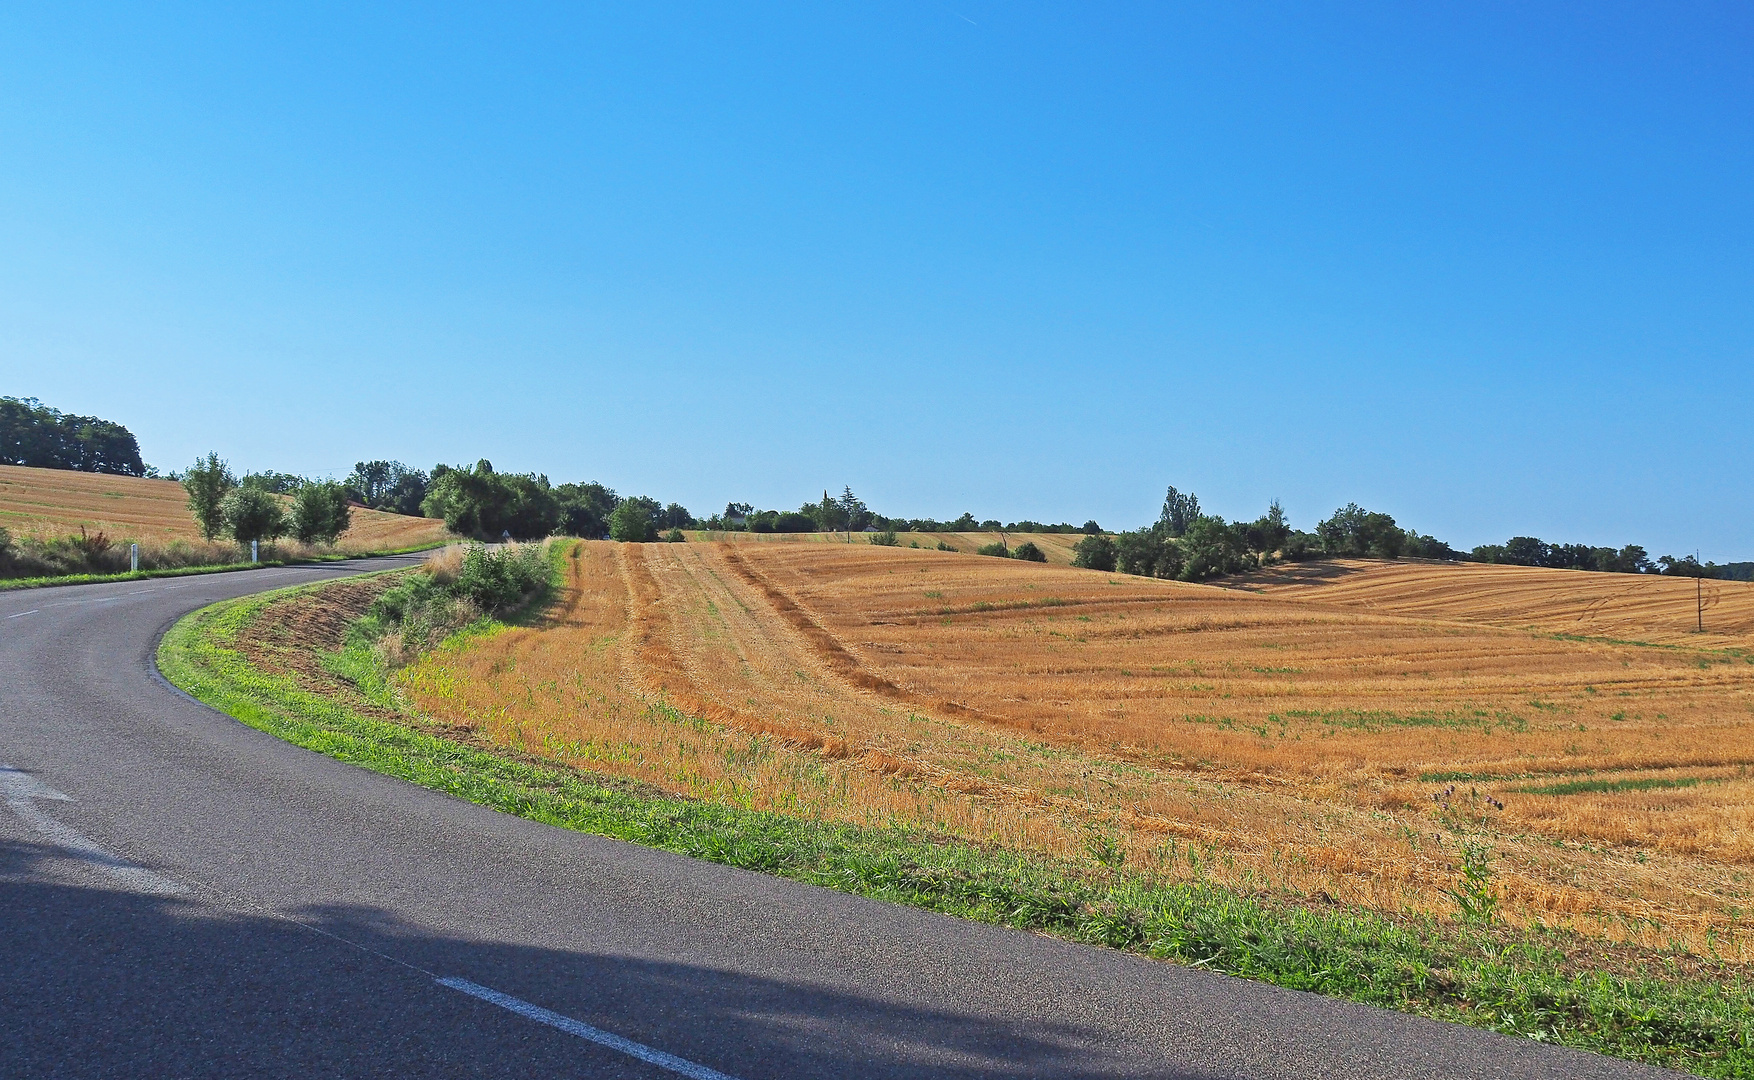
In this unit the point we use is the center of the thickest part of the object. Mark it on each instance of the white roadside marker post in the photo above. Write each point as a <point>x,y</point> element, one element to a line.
<point>134,558</point>
<point>253,544</point>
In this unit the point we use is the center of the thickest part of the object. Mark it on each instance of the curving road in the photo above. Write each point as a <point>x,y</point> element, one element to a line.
<point>181,895</point>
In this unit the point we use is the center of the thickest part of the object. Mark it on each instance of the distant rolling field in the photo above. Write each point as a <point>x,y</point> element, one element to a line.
<point>1056,546</point>
<point>1639,607</point>
<point>1273,741</point>
<point>54,502</point>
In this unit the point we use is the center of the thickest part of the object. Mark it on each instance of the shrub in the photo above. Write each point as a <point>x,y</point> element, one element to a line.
<point>1095,553</point>
<point>320,513</point>
<point>1028,552</point>
<point>494,580</point>
<point>632,521</point>
<point>252,514</point>
<point>794,522</point>
<point>674,536</point>
<point>942,546</point>
<point>886,539</point>
<point>997,548</point>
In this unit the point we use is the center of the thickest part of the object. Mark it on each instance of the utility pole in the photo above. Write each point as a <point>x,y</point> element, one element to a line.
<point>1698,592</point>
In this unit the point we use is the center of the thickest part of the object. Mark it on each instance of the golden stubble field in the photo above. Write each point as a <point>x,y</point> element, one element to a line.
<point>1056,546</point>
<point>1312,736</point>
<point>55,502</point>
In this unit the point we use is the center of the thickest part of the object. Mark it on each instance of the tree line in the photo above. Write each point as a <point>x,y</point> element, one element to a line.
<point>1189,545</point>
<point>34,435</point>
<point>847,512</point>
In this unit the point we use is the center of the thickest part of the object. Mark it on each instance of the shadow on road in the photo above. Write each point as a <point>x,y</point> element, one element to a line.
<point>98,982</point>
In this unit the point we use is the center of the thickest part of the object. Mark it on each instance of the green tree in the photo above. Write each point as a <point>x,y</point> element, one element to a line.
<point>1028,552</point>
<point>635,520</point>
<point>320,513</point>
<point>207,482</point>
<point>1179,512</point>
<point>1095,553</point>
<point>252,514</point>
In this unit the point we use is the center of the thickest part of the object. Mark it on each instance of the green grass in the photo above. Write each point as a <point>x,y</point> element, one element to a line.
<point>1588,787</point>
<point>214,568</point>
<point>1493,977</point>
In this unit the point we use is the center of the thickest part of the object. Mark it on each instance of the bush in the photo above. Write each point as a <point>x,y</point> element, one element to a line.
<point>1095,553</point>
<point>886,539</point>
<point>674,536</point>
<point>320,513</point>
<point>942,546</point>
<point>494,580</point>
<point>252,514</point>
<point>1028,552</point>
<point>632,521</point>
<point>793,522</point>
<point>996,548</point>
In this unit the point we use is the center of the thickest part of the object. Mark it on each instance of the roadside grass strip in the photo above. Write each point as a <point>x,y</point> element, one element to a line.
<point>211,568</point>
<point>1674,1011</point>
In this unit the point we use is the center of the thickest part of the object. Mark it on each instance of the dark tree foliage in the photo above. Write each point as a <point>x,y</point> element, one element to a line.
<point>1355,531</point>
<point>635,520</point>
<point>389,485</point>
<point>276,483</point>
<point>321,513</point>
<point>585,509</point>
<point>1095,552</point>
<point>1028,552</point>
<point>1532,551</point>
<point>34,435</point>
<point>1212,548</point>
<point>482,503</point>
<point>1179,512</point>
<point>1091,528</point>
<point>252,514</point>
<point>793,522</point>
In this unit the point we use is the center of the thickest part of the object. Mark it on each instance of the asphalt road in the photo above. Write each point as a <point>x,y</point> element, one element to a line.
<point>181,895</point>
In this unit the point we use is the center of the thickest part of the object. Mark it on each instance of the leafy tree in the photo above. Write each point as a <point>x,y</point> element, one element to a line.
<point>1688,566</point>
<point>676,516</point>
<point>207,482</point>
<point>34,435</point>
<point>635,520</point>
<point>1355,531</point>
<point>854,514</point>
<point>1267,534</point>
<point>277,483</point>
<point>1028,552</point>
<point>585,509</point>
<point>252,514</point>
<point>793,522</point>
<point>674,536</point>
<point>965,523</point>
<point>1179,512</point>
<point>480,502</point>
<point>1091,528</point>
<point>1213,548</point>
<point>320,513</point>
<point>1148,553</point>
<point>1095,552</point>
<point>996,548</point>
<point>388,485</point>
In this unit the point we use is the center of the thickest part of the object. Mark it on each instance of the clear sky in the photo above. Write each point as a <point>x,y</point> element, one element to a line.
<point>1486,267</point>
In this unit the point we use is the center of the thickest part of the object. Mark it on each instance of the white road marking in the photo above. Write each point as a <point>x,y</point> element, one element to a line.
<point>680,1066</point>
<point>22,614</point>
<point>20,788</point>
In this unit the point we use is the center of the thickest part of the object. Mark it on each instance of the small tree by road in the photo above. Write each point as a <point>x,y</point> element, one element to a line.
<point>251,514</point>
<point>320,513</point>
<point>207,482</point>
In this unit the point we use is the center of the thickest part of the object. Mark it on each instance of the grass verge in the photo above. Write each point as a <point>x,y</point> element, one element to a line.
<point>1672,1011</point>
<point>215,568</point>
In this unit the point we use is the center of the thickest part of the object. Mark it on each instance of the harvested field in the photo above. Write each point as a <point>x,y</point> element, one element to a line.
<point>1635,607</point>
<point>1301,741</point>
<point>54,502</point>
<point>1056,546</point>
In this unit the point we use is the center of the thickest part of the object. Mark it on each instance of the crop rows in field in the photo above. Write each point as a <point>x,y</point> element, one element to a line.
<point>1317,745</point>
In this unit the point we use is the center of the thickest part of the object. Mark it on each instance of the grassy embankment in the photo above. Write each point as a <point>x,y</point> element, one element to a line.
<point>1678,1011</point>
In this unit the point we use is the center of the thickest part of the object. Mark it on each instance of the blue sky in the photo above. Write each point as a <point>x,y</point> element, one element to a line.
<point>1485,267</point>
